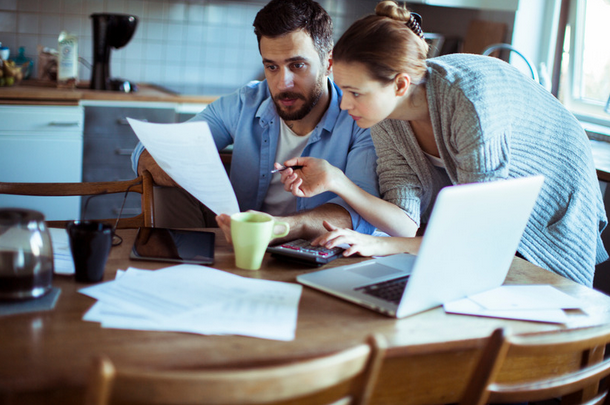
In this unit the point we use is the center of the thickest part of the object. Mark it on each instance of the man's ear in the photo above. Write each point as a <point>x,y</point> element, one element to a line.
<point>402,81</point>
<point>329,59</point>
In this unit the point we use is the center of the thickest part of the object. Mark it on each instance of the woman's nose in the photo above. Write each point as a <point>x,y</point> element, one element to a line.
<point>345,105</point>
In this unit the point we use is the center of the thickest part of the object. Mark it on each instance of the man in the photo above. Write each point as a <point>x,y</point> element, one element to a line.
<point>294,112</point>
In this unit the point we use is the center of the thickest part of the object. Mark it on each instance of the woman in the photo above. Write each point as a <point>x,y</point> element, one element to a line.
<point>451,120</point>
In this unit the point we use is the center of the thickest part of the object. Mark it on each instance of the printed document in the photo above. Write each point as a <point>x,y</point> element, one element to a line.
<point>196,299</point>
<point>539,303</point>
<point>188,154</point>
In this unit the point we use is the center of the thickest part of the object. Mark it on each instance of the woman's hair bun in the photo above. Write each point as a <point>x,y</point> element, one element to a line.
<point>389,8</point>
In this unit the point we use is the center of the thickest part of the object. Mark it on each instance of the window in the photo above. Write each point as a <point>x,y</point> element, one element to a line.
<point>585,87</point>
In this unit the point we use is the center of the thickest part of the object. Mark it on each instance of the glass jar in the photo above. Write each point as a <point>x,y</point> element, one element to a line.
<point>24,62</point>
<point>26,254</point>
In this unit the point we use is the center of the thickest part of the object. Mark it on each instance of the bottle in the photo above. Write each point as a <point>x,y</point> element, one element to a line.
<point>67,66</point>
<point>22,60</point>
<point>4,52</point>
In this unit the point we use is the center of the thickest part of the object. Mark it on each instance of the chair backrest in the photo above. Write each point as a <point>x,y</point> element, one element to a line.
<point>344,377</point>
<point>579,386</point>
<point>142,184</point>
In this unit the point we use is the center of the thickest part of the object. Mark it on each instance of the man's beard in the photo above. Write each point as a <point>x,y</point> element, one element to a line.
<point>310,102</point>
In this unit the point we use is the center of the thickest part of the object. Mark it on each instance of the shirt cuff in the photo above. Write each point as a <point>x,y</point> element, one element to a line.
<point>358,223</point>
<point>135,157</point>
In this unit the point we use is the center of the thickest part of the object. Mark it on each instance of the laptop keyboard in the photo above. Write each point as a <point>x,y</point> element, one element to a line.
<point>390,290</point>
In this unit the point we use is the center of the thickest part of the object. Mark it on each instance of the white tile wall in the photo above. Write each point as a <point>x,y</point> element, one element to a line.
<point>177,42</point>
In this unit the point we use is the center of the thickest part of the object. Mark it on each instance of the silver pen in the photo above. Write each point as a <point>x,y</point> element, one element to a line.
<point>286,167</point>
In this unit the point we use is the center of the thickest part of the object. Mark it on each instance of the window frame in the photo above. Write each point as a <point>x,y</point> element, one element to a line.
<point>587,111</point>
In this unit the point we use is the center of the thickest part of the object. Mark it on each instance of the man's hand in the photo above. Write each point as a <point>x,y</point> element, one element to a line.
<point>306,224</point>
<point>146,162</point>
<point>224,223</point>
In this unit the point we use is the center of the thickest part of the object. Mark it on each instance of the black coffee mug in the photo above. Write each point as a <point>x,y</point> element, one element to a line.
<point>90,243</point>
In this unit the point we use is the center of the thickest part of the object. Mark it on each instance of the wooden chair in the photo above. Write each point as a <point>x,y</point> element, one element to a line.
<point>142,184</point>
<point>346,377</point>
<point>580,386</point>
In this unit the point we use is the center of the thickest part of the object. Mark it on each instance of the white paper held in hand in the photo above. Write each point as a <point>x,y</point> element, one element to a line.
<point>188,154</point>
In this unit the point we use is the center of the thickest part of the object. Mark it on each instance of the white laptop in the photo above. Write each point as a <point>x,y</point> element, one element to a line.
<point>469,244</point>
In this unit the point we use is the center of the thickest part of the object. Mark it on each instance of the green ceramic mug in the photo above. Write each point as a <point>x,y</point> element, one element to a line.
<point>251,233</point>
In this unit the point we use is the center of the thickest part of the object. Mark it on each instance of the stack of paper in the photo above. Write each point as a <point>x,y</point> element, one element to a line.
<point>541,303</point>
<point>196,299</point>
<point>62,255</point>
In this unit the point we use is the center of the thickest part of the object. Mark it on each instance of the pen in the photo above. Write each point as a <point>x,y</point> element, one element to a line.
<point>286,167</point>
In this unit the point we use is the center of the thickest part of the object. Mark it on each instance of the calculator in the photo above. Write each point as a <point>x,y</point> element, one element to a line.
<point>302,251</point>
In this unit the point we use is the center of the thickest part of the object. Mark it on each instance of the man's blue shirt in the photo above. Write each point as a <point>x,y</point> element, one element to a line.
<point>248,120</point>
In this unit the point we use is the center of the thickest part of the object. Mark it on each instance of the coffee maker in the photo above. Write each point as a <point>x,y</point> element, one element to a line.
<point>110,31</point>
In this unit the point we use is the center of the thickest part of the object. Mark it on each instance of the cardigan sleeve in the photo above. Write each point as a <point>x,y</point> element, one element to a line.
<point>398,179</point>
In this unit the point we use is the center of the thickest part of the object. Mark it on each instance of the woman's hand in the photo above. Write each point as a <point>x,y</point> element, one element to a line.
<point>315,177</point>
<point>365,245</point>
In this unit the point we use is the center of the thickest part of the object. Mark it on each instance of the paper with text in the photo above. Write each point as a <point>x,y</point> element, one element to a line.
<point>525,297</point>
<point>196,299</point>
<point>540,303</point>
<point>466,306</point>
<point>188,154</point>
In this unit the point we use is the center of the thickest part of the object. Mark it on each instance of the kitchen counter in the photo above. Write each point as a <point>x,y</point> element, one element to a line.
<point>36,92</point>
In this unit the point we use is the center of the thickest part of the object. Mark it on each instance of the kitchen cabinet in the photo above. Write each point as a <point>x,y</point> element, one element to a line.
<point>495,5</point>
<point>42,144</point>
<point>108,144</point>
<point>58,135</point>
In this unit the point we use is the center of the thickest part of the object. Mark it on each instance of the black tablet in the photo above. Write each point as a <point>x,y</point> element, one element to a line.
<point>173,245</point>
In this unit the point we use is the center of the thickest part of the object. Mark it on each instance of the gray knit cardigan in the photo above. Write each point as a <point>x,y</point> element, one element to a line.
<point>492,122</point>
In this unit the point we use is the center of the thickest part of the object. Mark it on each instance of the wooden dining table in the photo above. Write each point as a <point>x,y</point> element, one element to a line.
<point>44,356</point>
